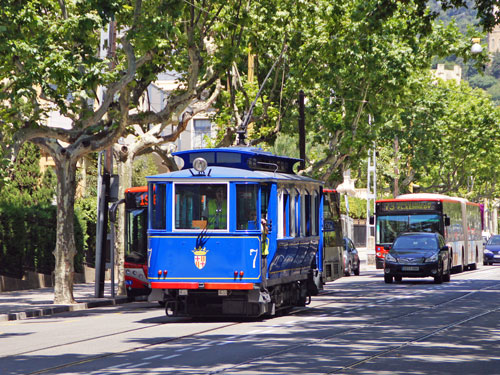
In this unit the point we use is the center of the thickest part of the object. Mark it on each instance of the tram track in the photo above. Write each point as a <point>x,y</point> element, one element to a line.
<point>296,312</point>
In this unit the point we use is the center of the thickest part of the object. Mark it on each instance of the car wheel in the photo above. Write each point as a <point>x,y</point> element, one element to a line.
<point>388,279</point>
<point>438,279</point>
<point>356,270</point>
<point>347,271</point>
<point>398,278</point>
<point>446,278</point>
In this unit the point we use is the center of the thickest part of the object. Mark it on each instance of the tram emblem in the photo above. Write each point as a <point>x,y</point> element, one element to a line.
<point>200,257</point>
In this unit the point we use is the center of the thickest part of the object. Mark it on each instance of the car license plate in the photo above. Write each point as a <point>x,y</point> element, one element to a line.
<point>410,268</point>
<point>497,256</point>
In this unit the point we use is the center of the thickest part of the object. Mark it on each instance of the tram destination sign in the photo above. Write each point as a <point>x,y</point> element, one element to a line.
<point>407,206</point>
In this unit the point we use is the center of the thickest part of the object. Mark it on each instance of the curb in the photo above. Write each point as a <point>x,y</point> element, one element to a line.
<point>47,311</point>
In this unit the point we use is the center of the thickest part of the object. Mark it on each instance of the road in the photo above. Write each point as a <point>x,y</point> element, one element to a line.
<point>358,325</point>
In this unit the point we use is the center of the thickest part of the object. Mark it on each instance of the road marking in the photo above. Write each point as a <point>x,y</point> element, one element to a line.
<point>153,356</point>
<point>140,364</point>
<point>200,349</point>
<point>171,356</point>
<point>183,349</point>
<point>225,342</point>
<point>121,365</point>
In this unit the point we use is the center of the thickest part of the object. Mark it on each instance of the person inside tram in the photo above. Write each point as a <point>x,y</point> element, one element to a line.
<point>217,210</point>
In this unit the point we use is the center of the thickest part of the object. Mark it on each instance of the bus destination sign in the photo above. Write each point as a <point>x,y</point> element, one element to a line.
<point>407,206</point>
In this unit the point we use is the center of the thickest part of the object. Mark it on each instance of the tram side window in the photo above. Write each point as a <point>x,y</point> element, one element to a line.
<point>201,206</point>
<point>293,217</point>
<point>303,215</point>
<point>314,214</point>
<point>284,214</point>
<point>158,208</point>
<point>246,207</point>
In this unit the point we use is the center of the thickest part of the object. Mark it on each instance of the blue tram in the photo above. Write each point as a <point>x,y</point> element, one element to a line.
<point>236,232</point>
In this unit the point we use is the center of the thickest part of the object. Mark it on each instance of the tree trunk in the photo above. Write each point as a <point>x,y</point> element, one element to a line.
<point>125,172</point>
<point>65,250</point>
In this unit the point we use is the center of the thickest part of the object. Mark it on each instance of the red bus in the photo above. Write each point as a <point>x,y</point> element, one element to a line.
<point>136,240</point>
<point>457,219</point>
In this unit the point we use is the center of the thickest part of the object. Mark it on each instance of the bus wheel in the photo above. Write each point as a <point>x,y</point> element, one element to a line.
<point>388,279</point>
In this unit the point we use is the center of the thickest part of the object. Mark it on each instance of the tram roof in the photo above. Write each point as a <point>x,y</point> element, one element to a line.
<point>226,173</point>
<point>248,158</point>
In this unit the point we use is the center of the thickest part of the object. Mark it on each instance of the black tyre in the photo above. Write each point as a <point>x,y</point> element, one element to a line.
<point>446,278</point>
<point>356,270</point>
<point>438,279</point>
<point>398,278</point>
<point>347,271</point>
<point>388,279</point>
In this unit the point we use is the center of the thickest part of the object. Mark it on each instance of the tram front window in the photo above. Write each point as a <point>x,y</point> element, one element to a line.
<point>246,207</point>
<point>388,227</point>
<point>201,206</point>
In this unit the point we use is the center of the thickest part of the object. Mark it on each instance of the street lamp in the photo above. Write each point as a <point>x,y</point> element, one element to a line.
<point>476,47</point>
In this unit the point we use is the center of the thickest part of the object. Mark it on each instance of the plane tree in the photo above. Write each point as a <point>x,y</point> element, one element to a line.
<point>50,62</point>
<point>353,60</point>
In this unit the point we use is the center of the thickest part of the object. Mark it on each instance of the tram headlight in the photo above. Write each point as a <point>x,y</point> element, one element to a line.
<point>432,258</point>
<point>200,164</point>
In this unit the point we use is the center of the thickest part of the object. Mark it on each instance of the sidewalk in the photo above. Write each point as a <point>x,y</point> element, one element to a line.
<point>23,304</point>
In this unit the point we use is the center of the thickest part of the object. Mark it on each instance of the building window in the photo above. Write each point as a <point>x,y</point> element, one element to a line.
<point>202,128</point>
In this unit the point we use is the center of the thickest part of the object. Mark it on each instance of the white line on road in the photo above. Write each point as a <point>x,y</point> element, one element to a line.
<point>171,356</point>
<point>153,356</point>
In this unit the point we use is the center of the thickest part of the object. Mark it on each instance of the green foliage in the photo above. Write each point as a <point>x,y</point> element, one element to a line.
<point>357,207</point>
<point>28,239</point>
<point>143,166</point>
<point>482,81</point>
<point>86,214</point>
<point>25,184</point>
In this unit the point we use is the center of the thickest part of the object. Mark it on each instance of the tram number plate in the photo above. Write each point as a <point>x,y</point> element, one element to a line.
<point>222,292</point>
<point>183,292</point>
<point>410,268</point>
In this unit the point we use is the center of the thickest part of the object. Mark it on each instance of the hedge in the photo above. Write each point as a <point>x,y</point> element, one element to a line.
<point>28,239</point>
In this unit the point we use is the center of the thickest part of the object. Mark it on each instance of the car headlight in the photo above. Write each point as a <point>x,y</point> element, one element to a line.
<point>390,258</point>
<point>486,251</point>
<point>433,258</point>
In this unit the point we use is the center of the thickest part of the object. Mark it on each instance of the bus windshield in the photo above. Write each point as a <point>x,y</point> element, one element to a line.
<point>389,226</point>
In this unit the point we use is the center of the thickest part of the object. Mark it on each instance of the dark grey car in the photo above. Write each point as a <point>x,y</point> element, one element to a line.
<point>351,258</point>
<point>420,254</point>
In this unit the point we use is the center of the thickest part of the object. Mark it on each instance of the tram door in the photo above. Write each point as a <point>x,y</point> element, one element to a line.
<point>332,237</point>
<point>268,209</point>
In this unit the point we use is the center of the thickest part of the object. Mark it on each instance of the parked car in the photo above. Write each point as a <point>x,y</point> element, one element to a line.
<point>418,254</point>
<point>492,250</point>
<point>351,258</point>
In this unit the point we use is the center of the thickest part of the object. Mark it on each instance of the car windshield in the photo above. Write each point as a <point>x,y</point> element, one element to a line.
<point>495,240</point>
<point>415,243</point>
